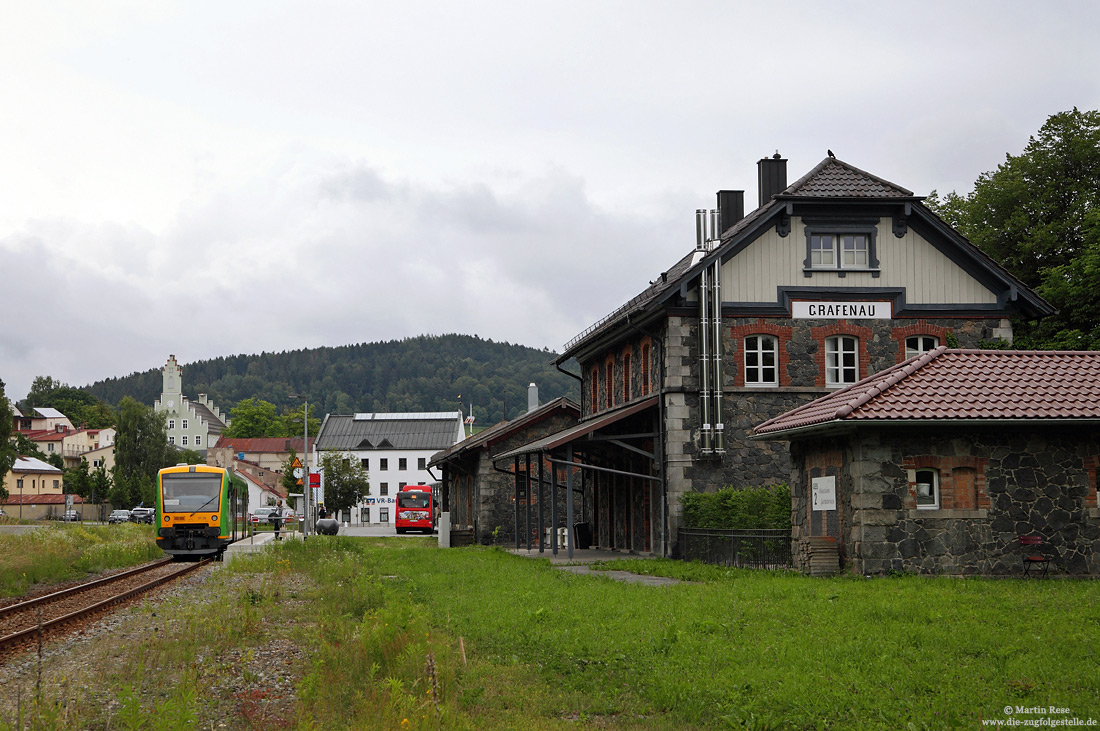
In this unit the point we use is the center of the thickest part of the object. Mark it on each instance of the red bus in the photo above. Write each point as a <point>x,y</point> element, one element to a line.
<point>415,509</point>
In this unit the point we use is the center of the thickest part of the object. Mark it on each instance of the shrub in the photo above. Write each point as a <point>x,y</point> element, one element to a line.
<point>739,508</point>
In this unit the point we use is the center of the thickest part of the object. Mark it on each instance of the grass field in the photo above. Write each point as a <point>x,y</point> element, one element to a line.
<point>398,634</point>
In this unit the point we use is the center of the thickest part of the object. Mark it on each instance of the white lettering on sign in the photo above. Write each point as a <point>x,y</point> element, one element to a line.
<point>823,493</point>
<point>841,310</point>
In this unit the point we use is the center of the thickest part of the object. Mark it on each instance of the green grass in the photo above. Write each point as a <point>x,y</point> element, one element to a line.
<point>64,552</point>
<point>398,634</point>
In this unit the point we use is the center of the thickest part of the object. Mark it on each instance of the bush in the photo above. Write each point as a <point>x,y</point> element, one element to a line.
<point>738,508</point>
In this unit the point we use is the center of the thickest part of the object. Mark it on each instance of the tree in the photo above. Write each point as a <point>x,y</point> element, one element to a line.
<point>253,418</point>
<point>289,481</point>
<point>292,422</point>
<point>1036,214</point>
<point>7,449</point>
<point>141,450</point>
<point>81,407</point>
<point>346,482</point>
<point>78,480</point>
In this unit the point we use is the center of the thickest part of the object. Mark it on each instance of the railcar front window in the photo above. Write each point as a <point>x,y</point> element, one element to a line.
<point>192,491</point>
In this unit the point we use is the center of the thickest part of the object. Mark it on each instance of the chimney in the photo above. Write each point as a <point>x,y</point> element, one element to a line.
<point>772,176</point>
<point>532,398</point>
<point>731,208</point>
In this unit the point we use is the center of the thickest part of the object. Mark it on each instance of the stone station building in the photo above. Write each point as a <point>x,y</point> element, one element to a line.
<point>938,465</point>
<point>834,277</point>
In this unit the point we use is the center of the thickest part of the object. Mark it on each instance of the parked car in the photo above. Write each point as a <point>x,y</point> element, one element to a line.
<point>142,515</point>
<point>262,515</point>
<point>2,513</point>
<point>119,516</point>
<point>71,516</point>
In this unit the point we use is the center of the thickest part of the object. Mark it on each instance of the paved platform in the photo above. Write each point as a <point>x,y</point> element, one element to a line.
<point>253,543</point>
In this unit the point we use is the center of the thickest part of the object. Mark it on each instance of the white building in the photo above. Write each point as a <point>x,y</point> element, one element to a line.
<point>191,425</point>
<point>393,448</point>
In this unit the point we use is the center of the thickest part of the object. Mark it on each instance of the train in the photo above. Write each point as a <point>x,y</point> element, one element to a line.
<point>194,516</point>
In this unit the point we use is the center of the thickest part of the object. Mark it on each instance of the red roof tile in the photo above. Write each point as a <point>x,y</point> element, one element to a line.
<point>960,385</point>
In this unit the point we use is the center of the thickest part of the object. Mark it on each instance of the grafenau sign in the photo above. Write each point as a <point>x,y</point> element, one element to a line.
<point>841,310</point>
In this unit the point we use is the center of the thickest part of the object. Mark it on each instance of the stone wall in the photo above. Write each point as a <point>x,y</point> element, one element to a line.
<point>996,484</point>
<point>494,495</point>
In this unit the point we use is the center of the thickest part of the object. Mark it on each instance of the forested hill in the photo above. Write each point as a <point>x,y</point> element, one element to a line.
<point>426,373</point>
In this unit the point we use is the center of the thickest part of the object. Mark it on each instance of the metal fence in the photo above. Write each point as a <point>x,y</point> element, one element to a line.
<point>756,549</point>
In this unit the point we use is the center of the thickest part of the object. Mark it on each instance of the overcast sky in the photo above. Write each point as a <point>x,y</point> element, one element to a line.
<point>214,178</point>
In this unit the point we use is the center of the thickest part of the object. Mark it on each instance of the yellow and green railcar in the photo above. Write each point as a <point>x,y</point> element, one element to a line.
<point>194,516</point>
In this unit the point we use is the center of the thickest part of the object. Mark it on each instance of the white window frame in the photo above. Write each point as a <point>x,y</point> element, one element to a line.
<point>183,423</point>
<point>183,440</point>
<point>930,494</point>
<point>383,515</point>
<point>171,424</point>
<point>402,463</point>
<point>171,439</point>
<point>838,348</point>
<point>756,356</point>
<point>198,440</point>
<point>923,344</point>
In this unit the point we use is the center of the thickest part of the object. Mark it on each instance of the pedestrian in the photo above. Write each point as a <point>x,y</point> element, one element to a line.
<point>277,518</point>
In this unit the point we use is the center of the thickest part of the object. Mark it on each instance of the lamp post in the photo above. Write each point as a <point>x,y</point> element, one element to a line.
<point>306,488</point>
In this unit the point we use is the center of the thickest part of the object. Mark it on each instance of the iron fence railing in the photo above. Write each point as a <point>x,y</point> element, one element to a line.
<point>762,548</point>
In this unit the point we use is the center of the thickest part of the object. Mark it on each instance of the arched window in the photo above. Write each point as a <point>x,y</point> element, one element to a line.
<point>761,360</point>
<point>594,386</point>
<point>841,360</point>
<point>928,489</point>
<point>628,387</point>
<point>920,344</point>
<point>645,369</point>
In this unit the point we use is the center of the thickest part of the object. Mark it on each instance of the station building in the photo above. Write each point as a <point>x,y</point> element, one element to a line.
<point>834,277</point>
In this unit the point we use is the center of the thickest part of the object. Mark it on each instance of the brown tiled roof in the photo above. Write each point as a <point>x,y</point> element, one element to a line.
<point>960,386</point>
<point>29,499</point>
<point>833,178</point>
<point>266,445</point>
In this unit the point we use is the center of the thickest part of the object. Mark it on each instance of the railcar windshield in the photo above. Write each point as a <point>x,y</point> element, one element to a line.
<point>190,492</point>
<point>413,499</point>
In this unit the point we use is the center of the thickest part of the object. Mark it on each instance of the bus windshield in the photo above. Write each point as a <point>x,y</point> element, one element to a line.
<point>413,499</point>
<point>188,492</point>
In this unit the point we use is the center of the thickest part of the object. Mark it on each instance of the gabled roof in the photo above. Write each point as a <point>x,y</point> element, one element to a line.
<point>505,429</point>
<point>411,431</point>
<point>958,386</point>
<point>831,179</point>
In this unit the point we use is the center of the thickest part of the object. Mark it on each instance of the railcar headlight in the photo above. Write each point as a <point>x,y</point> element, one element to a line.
<point>214,518</point>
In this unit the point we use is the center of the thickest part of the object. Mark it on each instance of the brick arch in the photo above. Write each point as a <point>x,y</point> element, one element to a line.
<point>863,334</point>
<point>782,334</point>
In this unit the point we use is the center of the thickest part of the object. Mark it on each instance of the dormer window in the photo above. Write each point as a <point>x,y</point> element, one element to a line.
<point>840,249</point>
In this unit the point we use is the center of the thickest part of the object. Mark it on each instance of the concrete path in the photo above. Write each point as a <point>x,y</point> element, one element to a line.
<point>582,557</point>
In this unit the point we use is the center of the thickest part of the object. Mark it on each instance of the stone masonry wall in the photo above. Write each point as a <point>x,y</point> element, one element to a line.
<point>1003,482</point>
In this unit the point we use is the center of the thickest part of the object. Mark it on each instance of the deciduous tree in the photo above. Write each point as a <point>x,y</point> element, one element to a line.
<point>141,450</point>
<point>346,482</point>
<point>7,449</point>
<point>1037,215</point>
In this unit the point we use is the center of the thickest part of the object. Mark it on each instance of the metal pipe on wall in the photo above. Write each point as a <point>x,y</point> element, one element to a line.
<point>719,424</point>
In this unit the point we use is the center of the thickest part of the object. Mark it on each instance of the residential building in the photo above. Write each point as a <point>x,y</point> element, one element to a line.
<point>193,425</point>
<point>53,433</point>
<point>35,490</point>
<point>836,276</point>
<point>393,448</point>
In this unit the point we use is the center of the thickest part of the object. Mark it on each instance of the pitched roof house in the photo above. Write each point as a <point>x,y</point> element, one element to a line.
<point>941,463</point>
<point>394,448</point>
<point>834,277</point>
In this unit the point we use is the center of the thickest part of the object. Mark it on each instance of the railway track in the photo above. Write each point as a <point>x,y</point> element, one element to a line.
<point>35,620</point>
